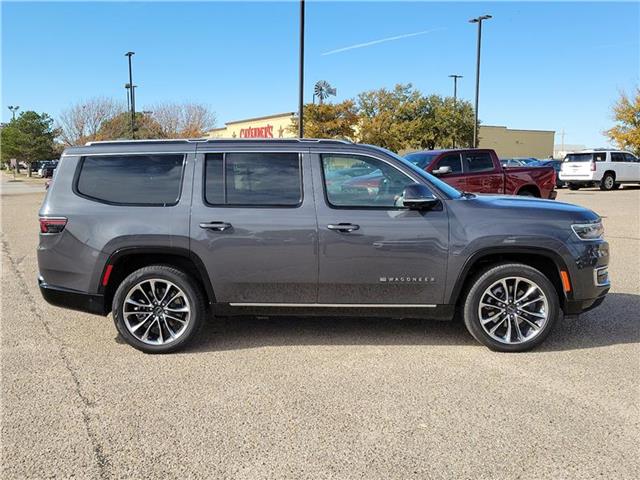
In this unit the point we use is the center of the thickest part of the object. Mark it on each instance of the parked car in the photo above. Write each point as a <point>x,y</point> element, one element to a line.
<point>607,169</point>
<point>49,166</point>
<point>512,162</point>
<point>47,171</point>
<point>480,171</point>
<point>162,233</point>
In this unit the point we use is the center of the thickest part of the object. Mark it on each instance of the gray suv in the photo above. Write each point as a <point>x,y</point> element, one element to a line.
<point>164,233</point>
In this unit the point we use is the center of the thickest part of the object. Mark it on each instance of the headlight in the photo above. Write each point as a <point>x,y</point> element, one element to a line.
<point>589,231</point>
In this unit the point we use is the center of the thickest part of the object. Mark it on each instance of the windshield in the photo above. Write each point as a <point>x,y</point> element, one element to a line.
<point>445,188</point>
<point>421,159</point>
<point>579,157</point>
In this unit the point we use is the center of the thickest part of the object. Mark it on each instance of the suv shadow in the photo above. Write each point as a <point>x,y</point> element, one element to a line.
<point>619,325</point>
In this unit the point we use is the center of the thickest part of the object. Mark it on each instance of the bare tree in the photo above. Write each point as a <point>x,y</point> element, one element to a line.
<point>183,120</point>
<point>81,122</point>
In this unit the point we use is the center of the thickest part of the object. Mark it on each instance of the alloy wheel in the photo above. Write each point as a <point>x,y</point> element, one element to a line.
<point>513,310</point>
<point>156,311</point>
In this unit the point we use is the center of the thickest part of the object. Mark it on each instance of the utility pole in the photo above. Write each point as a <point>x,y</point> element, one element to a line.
<point>479,21</point>
<point>13,109</point>
<point>301,75</point>
<point>132,94</point>
<point>455,102</point>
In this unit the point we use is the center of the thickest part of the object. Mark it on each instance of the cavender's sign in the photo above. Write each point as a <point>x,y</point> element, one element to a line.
<point>258,132</point>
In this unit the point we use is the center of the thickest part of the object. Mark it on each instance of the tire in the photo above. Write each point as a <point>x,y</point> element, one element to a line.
<point>179,317</point>
<point>616,186</point>
<point>573,186</point>
<point>526,193</point>
<point>522,277</point>
<point>608,182</point>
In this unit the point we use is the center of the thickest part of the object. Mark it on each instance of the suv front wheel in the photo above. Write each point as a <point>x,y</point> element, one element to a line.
<point>158,309</point>
<point>511,307</point>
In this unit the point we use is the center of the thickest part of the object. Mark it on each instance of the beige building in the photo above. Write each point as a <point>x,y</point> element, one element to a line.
<point>510,143</point>
<point>506,142</point>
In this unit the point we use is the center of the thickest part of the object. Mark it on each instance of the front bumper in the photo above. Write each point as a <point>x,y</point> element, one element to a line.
<point>589,277</point>
<point>72,299</point>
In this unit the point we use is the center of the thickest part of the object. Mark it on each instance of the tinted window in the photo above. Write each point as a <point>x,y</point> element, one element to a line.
<point>478,161</point>
<point>452,161</point>
<point>383,187</point>
<point>262,179</point>
<point>629,158</point>
<point>132,179</point>
<point>421,159</point>
<point>617,157</point>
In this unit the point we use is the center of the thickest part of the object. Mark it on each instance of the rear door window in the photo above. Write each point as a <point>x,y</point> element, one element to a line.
<point>147,180</point>
<point>253,179</point>
<point>617,157</point>
<point>478,162</point>
<point>630,158</point>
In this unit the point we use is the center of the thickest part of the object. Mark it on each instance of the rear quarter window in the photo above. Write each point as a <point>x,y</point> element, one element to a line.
<point>147,180</point>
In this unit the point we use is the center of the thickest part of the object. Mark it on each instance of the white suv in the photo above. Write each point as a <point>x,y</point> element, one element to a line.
<point>605,168</point>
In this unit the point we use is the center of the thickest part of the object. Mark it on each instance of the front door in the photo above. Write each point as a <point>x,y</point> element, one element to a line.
<point>253,226</point>
<point>374,251</point>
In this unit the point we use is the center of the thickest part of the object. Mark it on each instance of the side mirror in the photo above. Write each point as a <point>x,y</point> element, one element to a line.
<point>442,170</point>
<point>418,197</point>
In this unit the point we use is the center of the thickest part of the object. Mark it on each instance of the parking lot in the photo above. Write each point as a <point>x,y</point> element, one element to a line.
<point>319,398</point>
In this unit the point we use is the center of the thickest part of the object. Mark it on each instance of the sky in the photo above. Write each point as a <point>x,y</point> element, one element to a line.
<point>549,66</point>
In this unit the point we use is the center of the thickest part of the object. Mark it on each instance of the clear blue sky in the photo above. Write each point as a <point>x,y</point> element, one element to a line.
<point>545,65</point>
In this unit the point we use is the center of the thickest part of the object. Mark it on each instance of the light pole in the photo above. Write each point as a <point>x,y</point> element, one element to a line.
<point>128,86</point>
<point>455,101</point>
<point>132,95</point>
<point>478,20</point>
<point>301,75</point>
<point>13,109</point>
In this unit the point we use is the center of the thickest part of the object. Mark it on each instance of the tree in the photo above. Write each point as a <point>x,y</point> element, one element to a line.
<point>186,120</point>
<point>28,138</point>
<point>329,120</point>
<point>626,133</point>
<point>82,122</point>
<point>119,127</point>
<point>404,119</point>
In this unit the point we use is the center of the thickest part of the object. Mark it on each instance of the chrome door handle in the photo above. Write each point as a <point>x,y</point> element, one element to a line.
<point>343,227</point>
<point>217,226</point>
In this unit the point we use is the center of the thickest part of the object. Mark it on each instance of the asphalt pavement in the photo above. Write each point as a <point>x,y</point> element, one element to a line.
<point>319,398</point>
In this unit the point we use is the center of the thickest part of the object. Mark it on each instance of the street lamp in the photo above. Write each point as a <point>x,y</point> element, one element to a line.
<point>478,20</point>
<point>127,86</point>
<point>132,95</point>
<point>301,75</point>
<point>13,109</point>
<point>455,100</point>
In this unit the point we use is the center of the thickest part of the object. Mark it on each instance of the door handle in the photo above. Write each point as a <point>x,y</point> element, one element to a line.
<point>217,226</point>
<point>343,227</point>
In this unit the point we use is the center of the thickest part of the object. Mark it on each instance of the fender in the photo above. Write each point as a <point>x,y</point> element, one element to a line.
<point>476,256</point>
<point>178,251</point>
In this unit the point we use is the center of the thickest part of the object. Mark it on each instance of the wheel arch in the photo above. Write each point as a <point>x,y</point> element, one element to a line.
<point>126,260</point>
<point>529,187</point>
<point>547,261</point>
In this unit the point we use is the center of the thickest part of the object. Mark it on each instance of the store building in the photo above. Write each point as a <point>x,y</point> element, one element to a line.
<point>508,143</point>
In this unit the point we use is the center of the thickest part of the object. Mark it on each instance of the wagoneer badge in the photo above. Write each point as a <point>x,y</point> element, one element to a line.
<point>408,279</point>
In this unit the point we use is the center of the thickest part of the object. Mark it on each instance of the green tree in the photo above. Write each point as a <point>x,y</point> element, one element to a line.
<point>329,120</point>
<point>119,127</point>
<point>403,119</point>
<point>626,133</point>
<point>28,138</point>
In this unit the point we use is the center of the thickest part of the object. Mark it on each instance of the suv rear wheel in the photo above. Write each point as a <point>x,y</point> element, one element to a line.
<point>158,309</point>
<point>608,182</point>
<point>511,307</point>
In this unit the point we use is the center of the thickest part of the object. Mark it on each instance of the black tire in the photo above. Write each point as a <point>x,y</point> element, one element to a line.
<point>608,182</point>
<point>616,186</point>
<point>182,281</point>
<point>573,186</point>
<point>483,280</point>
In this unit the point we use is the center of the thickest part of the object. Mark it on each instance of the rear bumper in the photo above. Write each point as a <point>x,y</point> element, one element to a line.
<point>72,299</point>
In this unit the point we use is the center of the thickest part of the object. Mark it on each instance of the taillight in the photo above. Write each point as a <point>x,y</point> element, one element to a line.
<point>52,224</point>
<point>593,166</point>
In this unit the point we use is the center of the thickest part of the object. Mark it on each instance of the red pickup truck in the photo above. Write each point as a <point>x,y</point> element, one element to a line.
<point>480,171</point>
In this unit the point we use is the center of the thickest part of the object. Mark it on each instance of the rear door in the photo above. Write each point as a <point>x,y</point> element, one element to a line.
<point>373,251</point>
<point>253,224</point>
<point>620,166</point>
<point>482,173</point>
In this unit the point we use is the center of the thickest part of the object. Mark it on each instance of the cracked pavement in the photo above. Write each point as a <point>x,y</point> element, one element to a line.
<point>319,398</point>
